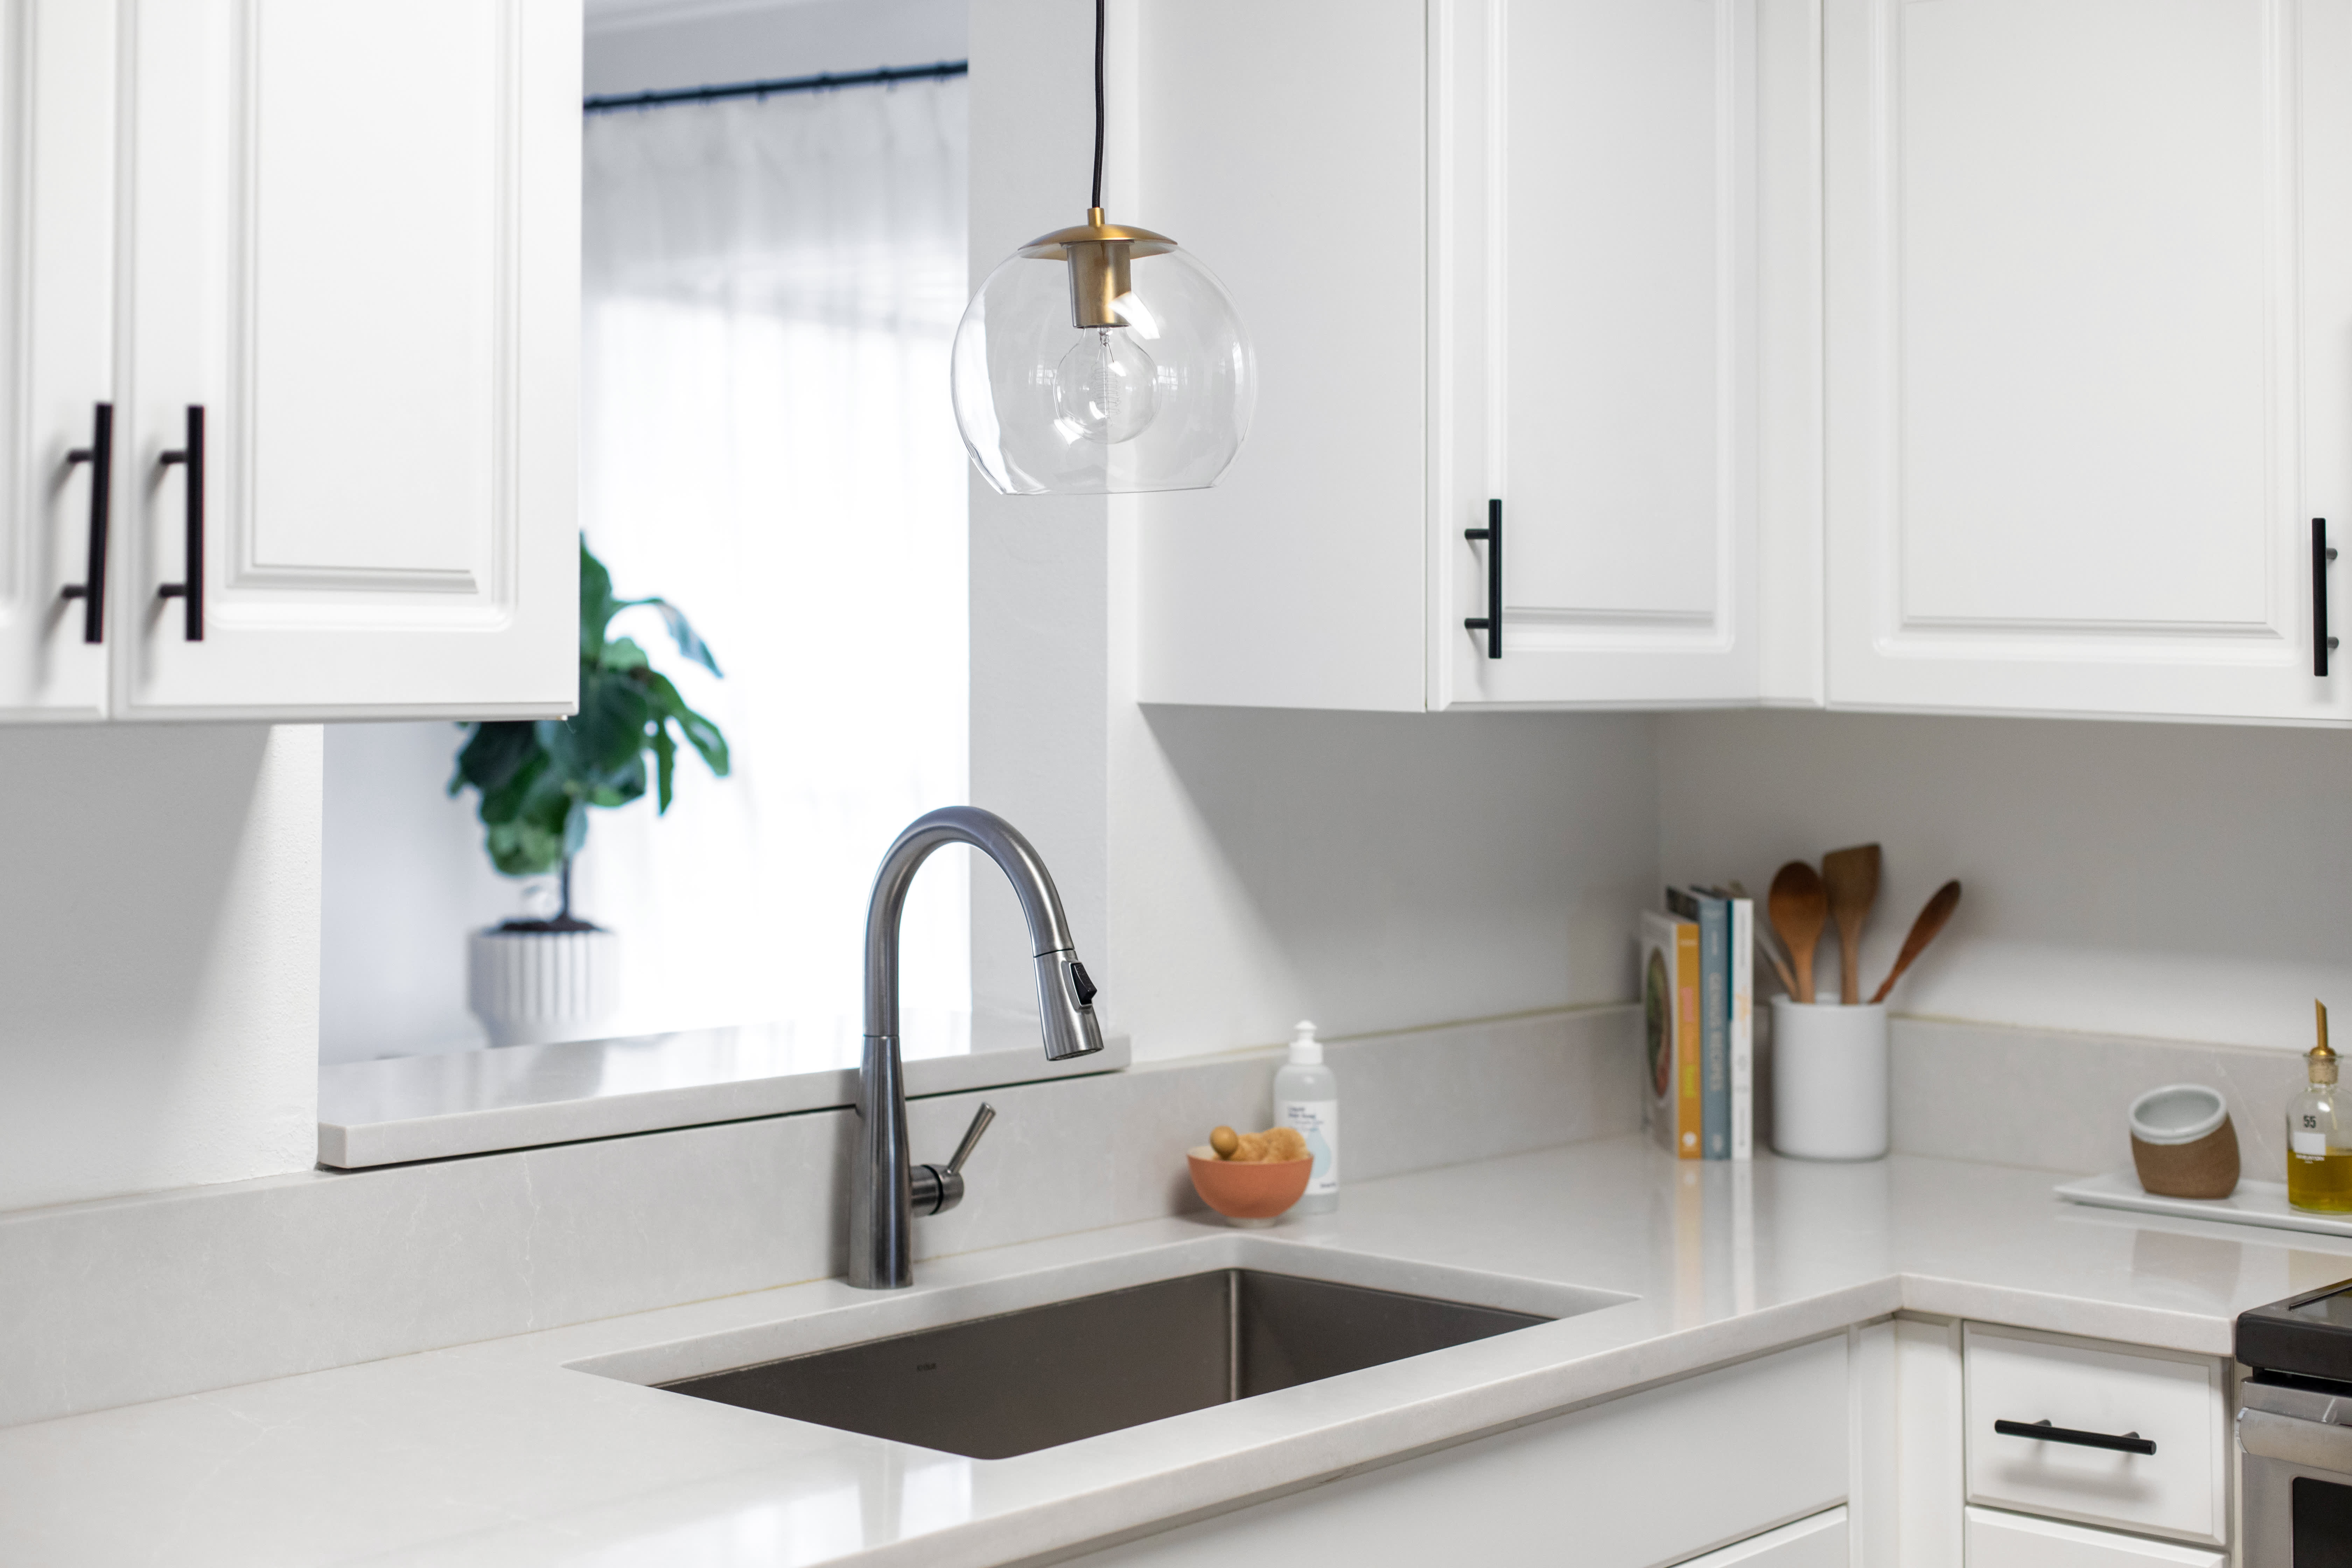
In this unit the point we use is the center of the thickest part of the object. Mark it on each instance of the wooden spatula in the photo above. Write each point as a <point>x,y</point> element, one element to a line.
<point>1852,877</point>
<point>1798,908</point>
<point>1923,932</point>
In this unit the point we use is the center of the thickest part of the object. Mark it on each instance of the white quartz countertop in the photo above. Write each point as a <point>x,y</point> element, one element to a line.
<point>508,1453</point>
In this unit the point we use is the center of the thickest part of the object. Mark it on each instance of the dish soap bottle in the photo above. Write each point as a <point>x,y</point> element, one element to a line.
<point>1307,1095</point>
<point>2319,1141</point>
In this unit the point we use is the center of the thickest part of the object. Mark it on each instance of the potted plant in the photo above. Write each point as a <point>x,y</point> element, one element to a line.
<point>536,979</point>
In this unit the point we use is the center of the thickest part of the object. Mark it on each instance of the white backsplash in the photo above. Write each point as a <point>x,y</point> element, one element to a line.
<point>127,1300</point>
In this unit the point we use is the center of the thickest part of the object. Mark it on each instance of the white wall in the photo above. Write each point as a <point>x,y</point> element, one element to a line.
<point>642,45</point>
<point>159,957</point>
<point>405,879</point>
<point>2186,882</point>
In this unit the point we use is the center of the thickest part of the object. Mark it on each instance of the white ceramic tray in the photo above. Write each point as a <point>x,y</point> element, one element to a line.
<point>2254,1202</point>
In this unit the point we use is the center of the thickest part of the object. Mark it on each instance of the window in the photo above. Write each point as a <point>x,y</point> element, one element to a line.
<point>770,286</point>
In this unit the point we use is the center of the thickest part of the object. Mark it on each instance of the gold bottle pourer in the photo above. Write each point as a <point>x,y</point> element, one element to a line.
<point>2321,1059</point>
<point>1099,254</point>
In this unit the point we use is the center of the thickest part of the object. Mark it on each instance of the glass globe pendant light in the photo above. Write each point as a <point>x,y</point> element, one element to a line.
<point>1102,360</point>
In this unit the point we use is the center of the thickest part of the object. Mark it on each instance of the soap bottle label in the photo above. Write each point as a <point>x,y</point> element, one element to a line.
<point>1317,1122</point>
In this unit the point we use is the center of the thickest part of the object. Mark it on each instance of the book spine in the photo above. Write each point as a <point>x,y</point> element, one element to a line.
<point>1689,1097</point>
<point>1743,1029</point>
<point>1715,1025</point>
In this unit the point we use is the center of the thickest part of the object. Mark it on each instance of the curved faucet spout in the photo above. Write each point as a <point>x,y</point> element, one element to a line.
<point>881,1218</point>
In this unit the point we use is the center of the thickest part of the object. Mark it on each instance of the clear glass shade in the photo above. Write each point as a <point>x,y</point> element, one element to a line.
<point>1159,402</point>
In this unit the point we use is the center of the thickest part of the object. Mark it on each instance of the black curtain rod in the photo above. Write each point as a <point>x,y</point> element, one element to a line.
<point>778,84</point>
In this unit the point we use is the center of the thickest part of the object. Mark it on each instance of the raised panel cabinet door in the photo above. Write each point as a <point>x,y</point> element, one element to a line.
<point>1595,368</point>
<point>57,278</point>
<point>1998,1539</point>
<point>2089,354</point>
<point>1614,1485</point>
<point>1816,1543</point>
<point>355,246</point>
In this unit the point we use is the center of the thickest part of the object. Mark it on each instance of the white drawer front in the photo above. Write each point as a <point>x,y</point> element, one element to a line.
<point>2174,1401</point>
<point>2011,1541</point>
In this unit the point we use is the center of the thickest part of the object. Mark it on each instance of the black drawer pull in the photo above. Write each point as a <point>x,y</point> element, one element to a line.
<point>2322,645</point>
<point>1491,623</point>
<point>91,589</point>
<point>191,590</point>
<point>2129,1443</point>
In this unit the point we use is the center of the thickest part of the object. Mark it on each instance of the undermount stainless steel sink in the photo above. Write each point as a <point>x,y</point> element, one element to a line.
<point>1022,1380</point>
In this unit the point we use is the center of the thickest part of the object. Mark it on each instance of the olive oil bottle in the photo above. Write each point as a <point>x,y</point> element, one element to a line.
<point>2319,1135</point>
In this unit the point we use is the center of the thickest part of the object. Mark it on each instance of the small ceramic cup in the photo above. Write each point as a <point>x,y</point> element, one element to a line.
<point>1829,1080</point>
<point>2182,1143</point>
<point>1249,1194</point>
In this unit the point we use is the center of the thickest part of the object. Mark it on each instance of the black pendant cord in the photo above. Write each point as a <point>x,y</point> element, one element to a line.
<point>1097,202</point>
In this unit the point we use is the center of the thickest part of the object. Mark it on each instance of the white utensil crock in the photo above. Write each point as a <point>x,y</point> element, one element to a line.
<point>1828,1081</point>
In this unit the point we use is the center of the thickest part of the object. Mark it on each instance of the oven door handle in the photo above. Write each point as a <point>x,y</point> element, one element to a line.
<point>2264,1435</point>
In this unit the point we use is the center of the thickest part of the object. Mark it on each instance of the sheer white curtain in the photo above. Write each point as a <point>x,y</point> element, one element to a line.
<point>770,289</point>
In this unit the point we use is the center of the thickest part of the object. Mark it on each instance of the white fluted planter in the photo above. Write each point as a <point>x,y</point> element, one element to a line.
<point>534,988</point>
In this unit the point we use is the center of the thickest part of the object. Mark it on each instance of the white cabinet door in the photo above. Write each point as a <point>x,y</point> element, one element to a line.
<point>1816,1543</point>
<point>1999,1540</point>
<point>56,280</point>
<point>1594,319</point>
<point>354,244</point>
<point>2090,353</point>
<point>1656,1477</point>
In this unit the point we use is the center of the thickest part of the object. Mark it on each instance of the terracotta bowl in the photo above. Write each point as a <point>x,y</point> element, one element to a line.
<point>1252,1193</point>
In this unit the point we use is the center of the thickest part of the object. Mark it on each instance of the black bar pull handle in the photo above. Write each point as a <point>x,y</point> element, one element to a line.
<point>190,591</point>
<point>1491,623</point>
<point>2129,1443</point>
<point>2322,645</point>
<point>91,589</point>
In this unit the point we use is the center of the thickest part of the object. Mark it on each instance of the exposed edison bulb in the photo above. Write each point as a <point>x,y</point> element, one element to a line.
<point>1106,389</point>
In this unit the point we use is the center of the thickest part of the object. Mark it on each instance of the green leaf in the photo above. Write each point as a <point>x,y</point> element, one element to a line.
<point>608,732</point>
<point>622,653</point>
<point>665,765</point>
<point>700,731</point>
<point>596,604</point>
<point>620,786</point>
<point>506,803</point>
<point>688,642</point>
<point>492,755</point>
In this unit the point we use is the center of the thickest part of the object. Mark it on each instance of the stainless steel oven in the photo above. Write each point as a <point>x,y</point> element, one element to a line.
<point>2294,1431</point>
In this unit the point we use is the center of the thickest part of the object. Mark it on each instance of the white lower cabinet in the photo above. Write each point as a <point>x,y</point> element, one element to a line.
<point>1659,1477</point>
<point>1998,1539</point>
<point>1816,1543</point>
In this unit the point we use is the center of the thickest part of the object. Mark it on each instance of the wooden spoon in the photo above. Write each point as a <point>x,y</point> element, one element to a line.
<point>1798,908</point>
<point>1768,945</point>
<point>1852,877</point>
<point>1923,932</point>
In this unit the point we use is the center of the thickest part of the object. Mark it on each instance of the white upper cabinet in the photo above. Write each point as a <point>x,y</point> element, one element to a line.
<point>57,298</point>
<point>323,261</point>
<point>2089,284</point>
<point>354,244</point>
<point>1594,315</point>
<point>1489,250</point>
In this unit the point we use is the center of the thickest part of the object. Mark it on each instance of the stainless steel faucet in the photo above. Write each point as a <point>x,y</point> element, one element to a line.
<point>884,1190</point>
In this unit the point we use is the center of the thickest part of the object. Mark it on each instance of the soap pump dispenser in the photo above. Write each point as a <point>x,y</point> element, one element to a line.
<point>2318,1140</point>
<point>1307,1095</point>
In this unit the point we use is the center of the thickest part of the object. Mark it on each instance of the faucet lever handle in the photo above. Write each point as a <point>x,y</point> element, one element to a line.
<point>979,1121</point>
<point>938,1188</point>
